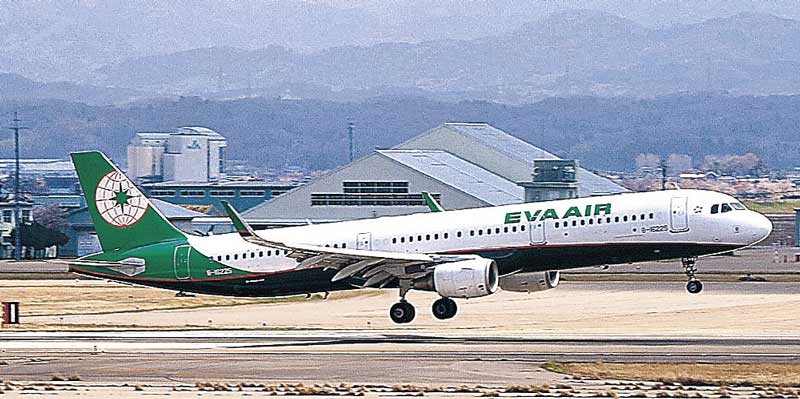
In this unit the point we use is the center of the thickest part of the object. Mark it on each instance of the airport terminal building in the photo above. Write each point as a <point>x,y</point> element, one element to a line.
<point>463,165</point>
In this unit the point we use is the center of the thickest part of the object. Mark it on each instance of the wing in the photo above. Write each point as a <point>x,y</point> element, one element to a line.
<point>376,268</point>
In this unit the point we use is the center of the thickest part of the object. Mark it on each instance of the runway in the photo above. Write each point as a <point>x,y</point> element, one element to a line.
<point>352,357</point>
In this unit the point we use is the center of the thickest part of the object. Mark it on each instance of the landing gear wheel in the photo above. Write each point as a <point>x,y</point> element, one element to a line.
<point>402,312</point>
<point>694,286</point>
<point>444,308</point>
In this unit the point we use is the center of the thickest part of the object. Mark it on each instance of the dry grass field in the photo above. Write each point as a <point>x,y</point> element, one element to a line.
<point>687,374</point>
<point>83,297</point>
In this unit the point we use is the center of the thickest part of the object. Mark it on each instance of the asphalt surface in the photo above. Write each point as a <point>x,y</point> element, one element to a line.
<point>351,356</point>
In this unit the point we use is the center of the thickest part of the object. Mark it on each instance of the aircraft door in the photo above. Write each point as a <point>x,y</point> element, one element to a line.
<point>364,241</point>
<point>679,218</point>
<point>536,231</point>
<point>181,262</point>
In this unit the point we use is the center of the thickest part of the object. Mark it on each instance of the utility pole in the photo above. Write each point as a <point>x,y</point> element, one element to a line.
<point>18,236</point>
<point>350,126</point>
<point>663,165</point>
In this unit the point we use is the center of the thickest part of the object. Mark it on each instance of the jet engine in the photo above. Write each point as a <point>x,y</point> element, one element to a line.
<point>464,279</point>
<point>530,282</point>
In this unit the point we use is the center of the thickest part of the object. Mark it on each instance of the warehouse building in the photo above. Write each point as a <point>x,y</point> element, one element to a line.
<point>464,165</point>
<point>206,197</point>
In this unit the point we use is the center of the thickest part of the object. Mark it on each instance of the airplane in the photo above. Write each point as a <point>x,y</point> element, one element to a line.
<point>465,253</point>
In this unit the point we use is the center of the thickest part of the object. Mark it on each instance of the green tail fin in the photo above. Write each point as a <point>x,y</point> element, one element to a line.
<point>123,217</point>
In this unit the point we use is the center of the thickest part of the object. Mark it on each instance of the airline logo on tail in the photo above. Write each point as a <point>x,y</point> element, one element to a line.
<point>118,201</point>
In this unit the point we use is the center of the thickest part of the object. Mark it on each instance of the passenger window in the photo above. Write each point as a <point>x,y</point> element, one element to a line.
<point>472,233</point>
<point>574,223</point>
<point>633,218</point>
<point>583,222</point>
<point>522,228</point>
<point>488,232</point>
<point>497,230</point>
<point>599,220</point>
<point>608,219</point>
<point>436,236</point>
<point>513,229</point>
<point>227,257</point>
<point>269,253</point>
<point>260,254</point>
<point>616,219</point>
<point>410,238</point>
<point>652,216</point>
<point>556,224</point>
<point>394,240</point>
<point>505,229</point>
<point>219,258</point>
<point>625,218</point>
<point>458,234</point>
<point>344,245</point>
<point>726,208</point>
<point>419,238</point>
<point>446,235</point>
<point>480,232</point>
<point>336,245</point>
<point>252,255</point>
<point>235,256</point>
<point>591,221</point>
<point>402,239</point>
<point>714,209</point>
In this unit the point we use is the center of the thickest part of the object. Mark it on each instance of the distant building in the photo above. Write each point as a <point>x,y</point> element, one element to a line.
<point>7,218</point>
<point>188,154</point>
<point>463,165</point>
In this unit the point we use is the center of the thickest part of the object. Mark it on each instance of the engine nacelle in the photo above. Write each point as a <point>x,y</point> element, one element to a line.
<point>465,279</point>
<point>530,282</point>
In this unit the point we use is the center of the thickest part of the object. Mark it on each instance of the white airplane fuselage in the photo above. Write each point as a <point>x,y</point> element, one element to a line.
<point>543,236</point>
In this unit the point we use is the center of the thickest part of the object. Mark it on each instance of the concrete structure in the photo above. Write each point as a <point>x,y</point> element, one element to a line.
<point>243,194</point>
<point>83,239</point>
<point>188,154</point>
<point>462,165</point>
<point>7,218</point>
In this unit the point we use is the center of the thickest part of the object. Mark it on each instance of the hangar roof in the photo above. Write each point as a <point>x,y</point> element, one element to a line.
<point>589,183</point>
<point>459,174</point>
<point>502,141</point>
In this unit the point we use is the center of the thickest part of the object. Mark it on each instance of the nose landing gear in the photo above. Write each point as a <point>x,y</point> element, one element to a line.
<point>694,286</point>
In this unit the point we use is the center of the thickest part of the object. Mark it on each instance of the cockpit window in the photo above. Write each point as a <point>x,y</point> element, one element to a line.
<point>726,208</point>
<point>738,206</point>
<point>714,208</point>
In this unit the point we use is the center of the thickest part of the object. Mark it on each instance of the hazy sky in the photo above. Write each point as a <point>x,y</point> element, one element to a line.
<point>59,39</point>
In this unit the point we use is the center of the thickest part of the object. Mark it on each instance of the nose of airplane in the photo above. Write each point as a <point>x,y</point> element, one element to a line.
<point>761,227</point>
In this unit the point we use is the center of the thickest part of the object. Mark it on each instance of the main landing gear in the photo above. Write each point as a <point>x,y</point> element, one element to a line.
<point>694,286</point>
<point>444,308</point>
<point>403,312</point>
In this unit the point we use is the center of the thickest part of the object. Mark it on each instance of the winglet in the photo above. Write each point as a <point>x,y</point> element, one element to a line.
<point>239,224</point>
<point>431,202</point>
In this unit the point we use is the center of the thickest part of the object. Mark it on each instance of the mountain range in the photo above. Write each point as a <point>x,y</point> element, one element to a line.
<point>602,133</point>
<point>569,53</point>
